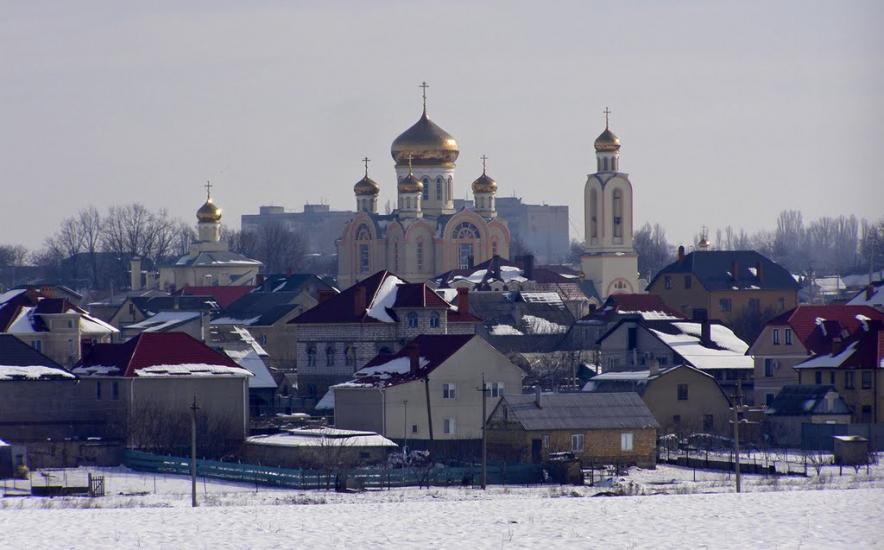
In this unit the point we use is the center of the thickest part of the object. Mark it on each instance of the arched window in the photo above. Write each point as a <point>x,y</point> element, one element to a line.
<point>311,355</point>
<point>593,213</point>
<point>465,230</point>
<point>363,233</point>
<point>420,255</point>
<point>450,194</point>
<point>494,247</point>
<point>330,355</point>
<point>618,213</point>
<point>439,188</point>
<point>435,320</point>
<point>411,319</point>
<point>426,192</point>
<point>350,356</point>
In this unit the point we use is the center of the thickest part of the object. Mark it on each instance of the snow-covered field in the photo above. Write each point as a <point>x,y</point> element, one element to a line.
<point>147,511</point>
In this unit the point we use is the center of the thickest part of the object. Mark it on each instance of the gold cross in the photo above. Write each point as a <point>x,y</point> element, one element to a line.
<point>484,158</point>
<point>365,161</point>
<point>424,87</point>
<point>410,156</point>
<point>208,190</point>
<point>607,112</point>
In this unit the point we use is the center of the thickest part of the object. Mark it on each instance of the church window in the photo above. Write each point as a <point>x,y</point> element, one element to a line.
<point>439,188</point>
<point>420,255</point>
<point>426,192</point>
<point>593,213</point>
<point>465,230</point>
<point>434,320</point>
<point>464,256</point>
<point>311,355</point>
<point>363,233</point>
<point>494,248</point>
<point>411,319</point>
<point>449,188</point>
<point>350,356</point>
<point>605,164</point>
<point>618,213</point>
<point>330,355</point>
<point>363,258</point>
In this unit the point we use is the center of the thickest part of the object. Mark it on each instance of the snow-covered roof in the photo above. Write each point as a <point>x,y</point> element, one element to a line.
<point>165,320</point>
<point>34,372</point>
<point>539,325</point>
<point>249,359</point>
<point>384,298</point>
<point>505,330</point>
<point>10,294</point>
<point>399,365</point>
<point>25,323</point>
<point>234,321</point>
<point>191,369</point>
<point>322,437</point>
<point>828,360</point>
<point>726,352</point>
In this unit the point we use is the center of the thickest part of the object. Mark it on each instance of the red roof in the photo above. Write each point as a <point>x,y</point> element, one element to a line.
<point>432,350</point>
<point>223,295</point>
<point>863,350</point>
<point>150,349</point>
<point>816,336</point>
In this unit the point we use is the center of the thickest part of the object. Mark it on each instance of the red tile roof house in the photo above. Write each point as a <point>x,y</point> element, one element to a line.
<point>434,377</point>
<point>795,335</point>
<point>149,383</point>
<point>374,316</point>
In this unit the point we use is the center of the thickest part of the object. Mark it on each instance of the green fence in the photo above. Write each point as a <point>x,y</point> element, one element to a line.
<point>514,474</point>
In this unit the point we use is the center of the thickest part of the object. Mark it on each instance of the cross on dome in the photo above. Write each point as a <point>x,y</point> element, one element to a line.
<point>365,161</point>
<point>607,112</point>
<point>484,158</point>
<point>424,87</point>
<point>208,187</point>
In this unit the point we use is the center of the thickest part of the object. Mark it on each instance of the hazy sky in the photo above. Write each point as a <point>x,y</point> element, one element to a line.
<point>728,113</point>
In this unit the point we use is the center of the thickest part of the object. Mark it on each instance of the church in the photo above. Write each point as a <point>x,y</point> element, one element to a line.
<point>609,260</point>
<point>424,235</point>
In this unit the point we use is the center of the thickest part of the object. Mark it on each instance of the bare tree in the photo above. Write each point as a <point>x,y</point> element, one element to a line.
<point>280,248</point>
<point>652,249</point>
<point>89,224</point>
<point>12,255</point>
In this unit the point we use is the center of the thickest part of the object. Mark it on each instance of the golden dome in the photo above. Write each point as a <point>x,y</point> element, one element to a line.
<point>366,186</point>
<point>484,184</point>
<point>410,184</point>
<point>209,212</point>
<point>426,142</point>
<point>607,142</point>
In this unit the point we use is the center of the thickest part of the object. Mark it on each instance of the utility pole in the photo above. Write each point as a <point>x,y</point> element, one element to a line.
<point>193,409</point>
<point>484,390</point>
<point>739,409</point>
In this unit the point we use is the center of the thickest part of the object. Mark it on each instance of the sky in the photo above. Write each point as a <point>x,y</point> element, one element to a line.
<point>728,112</point>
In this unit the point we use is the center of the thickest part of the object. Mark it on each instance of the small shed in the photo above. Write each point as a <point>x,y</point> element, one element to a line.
<point>319,447</point>
<point>850,450</point>
<point>12,459</point>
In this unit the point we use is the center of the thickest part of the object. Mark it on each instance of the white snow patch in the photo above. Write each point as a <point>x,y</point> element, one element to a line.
<point>191,369</point>
<point>539,325</point>
<point>399,365</point>
<point>36,372</point>
<point>506,330</point>
<point>322,437</point>
<point>384,298</point>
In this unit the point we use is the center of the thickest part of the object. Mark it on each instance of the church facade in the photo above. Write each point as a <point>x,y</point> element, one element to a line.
<point>609,261</point>
<point>425,235</point>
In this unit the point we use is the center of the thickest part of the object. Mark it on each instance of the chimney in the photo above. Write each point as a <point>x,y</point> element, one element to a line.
<point>653,366</point>
<point>135,273</point>
<point>325,295</point>
<point>758,271</point>
<point>414,355</point>
<point>359,304</point>
<point>735,274</point>
<point>680,253</point>
<point>528,271</point>
<point>463,301</point>
<point>537,397</point>
<point>701,316</point>
<point>288,271</point>
<point>870,290</point>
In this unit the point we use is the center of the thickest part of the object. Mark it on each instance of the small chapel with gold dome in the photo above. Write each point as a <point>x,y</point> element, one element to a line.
<point>424,235</point>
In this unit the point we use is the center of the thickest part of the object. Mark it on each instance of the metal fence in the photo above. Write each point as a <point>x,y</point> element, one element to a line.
<point>434,475</point>
<point>818,437</point>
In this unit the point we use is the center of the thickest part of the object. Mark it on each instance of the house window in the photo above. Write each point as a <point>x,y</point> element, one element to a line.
<point>754,305</point>
<point>832,377</point>
<point>546,441</point>
<point>449,391</point>
<point>768,399</point>
<point>411,318</point>
<point>464,255</point>
<point>576,442</point>
<point>494,389</point>
<point>687,281</point>
<point>676,419</point>
<point>667,282</point>
<point>849,380</point>
<point>725,304</point>
<point>776,337</point>
<point>350,356</point>
<point>626,441</point>
<point>818,377</point>
<point>363,258</point>
<point>788,335</point>
<point>435,320</point>
<point>448,426</point>
<point>330,355</point>
<point>37,345</point>
<point>98,390</point>
<point>414,428</point>
<point>866,415</point>
<point>867,379</point>
<point>262,339</point>
<point>682,392</point>
<point>311,355</point>
<point>708,423</point>
<point>115,390</point>
<point>770,365</point>
<point>632,336</point>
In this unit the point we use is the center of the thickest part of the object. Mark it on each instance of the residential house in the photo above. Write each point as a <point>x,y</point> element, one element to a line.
<point>429,393</point>
<point>194,323</point>
<point>221,295</point>
<point>598,428</point>
<point>872,295</point>
<point>53,326</point>
<point>586,331</point>
<point>798,404</point>
<point>855,368</point>
<point>138,307</point>
<point>727,284</point>
<point>377,315</point>
<point>706,345</point>
<point>683,399</point>
<point>797,334</point>
<point>242,347</point>
<point>149,383</point>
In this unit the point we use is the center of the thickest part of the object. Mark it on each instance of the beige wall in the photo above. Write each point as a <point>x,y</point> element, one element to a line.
<point>686,300</point>
<point>704,398</point>
<point>856,396</point>
<point>786,357</point>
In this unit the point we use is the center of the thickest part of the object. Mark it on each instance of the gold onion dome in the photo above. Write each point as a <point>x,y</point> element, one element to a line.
<point>426,142</point>
<point>366,186</point>
<point>410,184</point>
<point>607,142</point>
<point>209,212</point>
<point>484,184</point>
